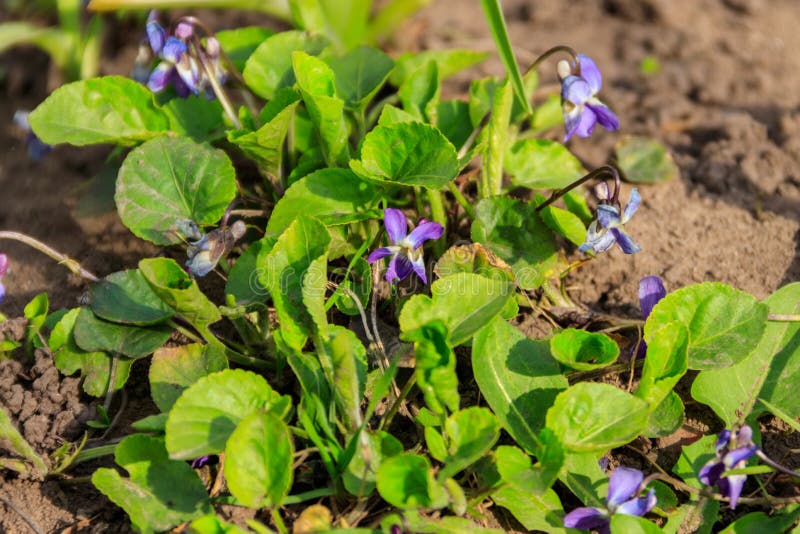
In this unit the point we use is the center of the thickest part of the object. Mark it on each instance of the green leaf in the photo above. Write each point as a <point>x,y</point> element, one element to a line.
<point>344,22</point>
<point>514,231</point>
<point>35,312</point>
<point>631,524</point>
<point>349,365</point>
<point>361,474</point>
<point>497,26</point>
<point>518,378</point>
<point>95,367</point>
<point>96,335</point>
<point>173,369</point>
<point>768,372</point>
<point>515,466</point>
<point>472,258</point>
<point>179,291</point>
<point>454,122</point>
<point>725,324</point>
<point>359,282</point>
<point>693,457</point>
<point>111,109</point>
<point>317,84</point>
<point>360,73</point>
<point>665,418</point>
<point>160,493</point>
<point>464,302</point>
<point>759,522</point>
<point>665,363</point>
<point>420,93</point>
<point>582,350</point>
<point>270,66</point>
<point>13,442</point>
<point>265,145</point>
<point>334,196</point>
<point>535,512</point>
<point>448,62</point>
<point>392,115</point>
<point>407,153</point>
<point>56,42</point>
<point>592,417</point>
<point>195,117</point>
<point>126,297</point>
<point>167,180</point>
<point>258,461</point>
<point>206,413</point>
<point>471,433</point>
<point>563,222</point>
<point>645,161</point>
<point>243,278</point>
<point>281,271</point>
<point>542,164</point>
<point>406,481</point>
<point>497,139</point>
<point>436,366</point>
<point>240,43</point>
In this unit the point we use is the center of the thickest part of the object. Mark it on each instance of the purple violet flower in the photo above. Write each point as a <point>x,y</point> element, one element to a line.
<point>651,290</point>
<point>582,109</point>
<point>37,149</point>
<point>732,450</point>
<point>406,248</point>
<point>3,272</point>
<point>177,66</point>
<point>607,228</point>
<point>623,488</point>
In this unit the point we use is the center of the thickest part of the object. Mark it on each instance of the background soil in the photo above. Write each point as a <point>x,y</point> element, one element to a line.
<point>725,100</point>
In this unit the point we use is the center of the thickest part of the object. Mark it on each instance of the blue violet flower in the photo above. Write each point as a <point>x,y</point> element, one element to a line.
<point>607,228</point>
<point>732,451</point>
<point>651,290</point>
<point>582,109</point>
<point>3,272</point>
<point>622,498</point>
<point>205,252</point>
<point>37,148</point>
<point>406,248</point>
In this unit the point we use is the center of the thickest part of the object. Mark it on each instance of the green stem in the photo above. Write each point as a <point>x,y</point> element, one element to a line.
<point>558,298</point>
<point>308,495</point>
<point>387,420</point>
<point>439,215</point>
<point>279,524</point>
<point>461,199</point>
<point>68,262</point>
<point>95,452</point>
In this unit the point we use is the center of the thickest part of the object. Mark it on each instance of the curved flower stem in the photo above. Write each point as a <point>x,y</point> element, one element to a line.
<point>68,262</point>
<point>600,171</point>
<point>461,199</point>
<point>560,48</point>
<point>775,465</point>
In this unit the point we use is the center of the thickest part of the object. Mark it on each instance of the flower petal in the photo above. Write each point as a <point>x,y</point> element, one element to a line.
<point>608,216</point>
<point>638,506</point>
<point>625,242</point>
<point>37,148</point>
<point>200,264</point>
<point>576,90</point>
<point>3,264</point>
<point>173,50</point>
<point>160,77</point>
<point>744,436</point>
<point>2,292</point>
<point>623,484</point>
<point>399,268</point>
<point>396,226</point>
<point>184,31</point>
<point>607,118</point>
<point>423,232</point>
<point>731,487</point>
<point>633,204</point>
<point>572,118</point>
<point>651,290</point>
<point>587,123</point>
<point>590,73</point>
<point>585,518</point>
<point>709,474</point>
<point>723,439</point>
<point>597,241</point>
<point>741,454</point>
<point>418,264</point>
<point>155,33</point>
<point>377,254</point>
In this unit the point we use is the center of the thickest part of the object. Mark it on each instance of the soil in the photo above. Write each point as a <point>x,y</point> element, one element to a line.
<point>722,101</point>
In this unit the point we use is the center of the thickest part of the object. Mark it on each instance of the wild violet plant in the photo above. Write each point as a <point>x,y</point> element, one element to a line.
<point>304,385</point>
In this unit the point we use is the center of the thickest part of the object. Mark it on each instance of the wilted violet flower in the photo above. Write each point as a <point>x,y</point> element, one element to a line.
<point>607,228</point>
<point>204,253</point>
<point>37,149</point>
<point>406,248</point>
<point>623,488</point>
<point>732,449</point>
<point>582,109</point>
<point>3,272</point>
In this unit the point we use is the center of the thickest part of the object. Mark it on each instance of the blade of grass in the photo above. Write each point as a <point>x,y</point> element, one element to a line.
<point>497,25</point>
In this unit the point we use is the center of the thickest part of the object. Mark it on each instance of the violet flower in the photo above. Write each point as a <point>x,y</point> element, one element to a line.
<point>582,109</point>
<point>3,272</point>
<point>177,66</point>
<point>607,228</point>
<point>651,290</point>
<point>37,148</point>
<point>732,450</point>
<point>406,248</point>
<point>623,488</point>
<point>204,253</point>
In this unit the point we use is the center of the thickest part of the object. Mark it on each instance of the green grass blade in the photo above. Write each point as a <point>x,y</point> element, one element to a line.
<point>497,25</point>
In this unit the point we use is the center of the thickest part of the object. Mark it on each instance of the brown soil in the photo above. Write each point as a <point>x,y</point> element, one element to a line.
<point>723,101</point>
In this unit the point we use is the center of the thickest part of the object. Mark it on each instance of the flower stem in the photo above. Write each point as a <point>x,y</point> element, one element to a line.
<point>560,48</point>
<point>438,215</point>
<point>461,199</point>
<point>68,262</point>
<point>600,171</point>
<point>401,398</point>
